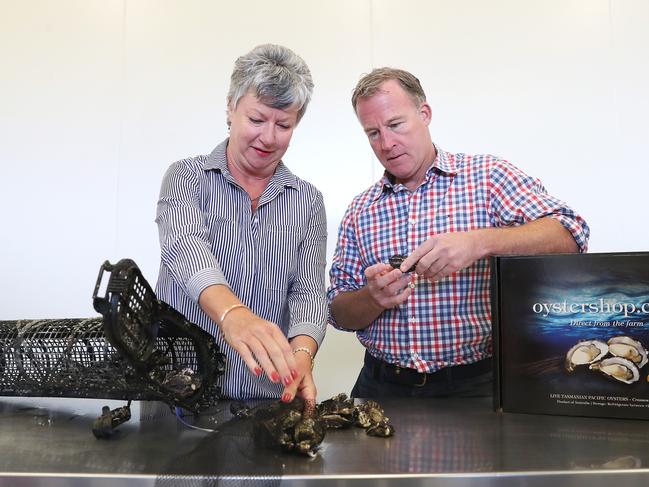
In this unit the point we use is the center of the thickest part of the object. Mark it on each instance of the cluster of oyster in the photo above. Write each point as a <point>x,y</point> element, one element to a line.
<point>621,358</point>
<point>300,427</point>
<point>341,412</point>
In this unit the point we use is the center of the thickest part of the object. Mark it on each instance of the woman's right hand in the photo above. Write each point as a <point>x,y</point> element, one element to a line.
<point>261,344</point>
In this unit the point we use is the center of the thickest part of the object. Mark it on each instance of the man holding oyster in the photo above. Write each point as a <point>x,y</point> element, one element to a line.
<point>436,217</point>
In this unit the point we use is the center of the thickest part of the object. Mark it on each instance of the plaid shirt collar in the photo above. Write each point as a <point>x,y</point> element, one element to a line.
<point>217,160</point>
<point>443,165</point>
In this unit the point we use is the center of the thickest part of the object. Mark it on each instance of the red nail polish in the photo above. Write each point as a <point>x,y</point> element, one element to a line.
<point>287,380</point>
<point>258,371</point>
<point>274,377</point>
<point>294,373</point>
<point>286,397</point>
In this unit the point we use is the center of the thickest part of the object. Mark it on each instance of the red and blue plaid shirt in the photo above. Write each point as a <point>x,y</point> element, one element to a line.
<point>447,322</point>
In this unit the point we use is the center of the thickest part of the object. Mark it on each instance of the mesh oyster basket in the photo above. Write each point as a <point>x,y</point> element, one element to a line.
<point>142,349</point>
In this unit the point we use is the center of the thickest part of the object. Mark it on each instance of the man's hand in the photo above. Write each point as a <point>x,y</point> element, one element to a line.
<point>444,254</point>
<point>388,287</point>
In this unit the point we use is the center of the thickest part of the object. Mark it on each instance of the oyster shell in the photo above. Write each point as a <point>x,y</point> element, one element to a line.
<point>382,429</point>
<point>396,261</point>
<point>290,426</point>
<point>337,412</point>
<point>628,348</point>
<point>618,368</point>
<point>585,352</point>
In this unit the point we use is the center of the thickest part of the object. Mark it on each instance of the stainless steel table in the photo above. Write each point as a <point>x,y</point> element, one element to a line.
<point>438,443</point>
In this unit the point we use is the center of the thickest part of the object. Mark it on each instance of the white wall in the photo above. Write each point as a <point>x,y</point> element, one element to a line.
<point>98,97</point>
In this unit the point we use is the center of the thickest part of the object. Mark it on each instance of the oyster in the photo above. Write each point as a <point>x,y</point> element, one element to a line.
<point>291,427</point>
<point>396,261</point>
<point>628,348</point>
<point>370,415</point>
<point>618,368</point>
<point>183,383</point>
<point>382,429</point>
<point>308,434</point>
<point>585,352</point>
<point>337,412</point>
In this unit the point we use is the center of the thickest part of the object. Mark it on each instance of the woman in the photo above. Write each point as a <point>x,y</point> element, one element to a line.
<point>243,239</point>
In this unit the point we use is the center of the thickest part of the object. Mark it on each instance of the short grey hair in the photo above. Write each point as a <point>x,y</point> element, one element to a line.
<point>276,75</point>
<point>370,84</point>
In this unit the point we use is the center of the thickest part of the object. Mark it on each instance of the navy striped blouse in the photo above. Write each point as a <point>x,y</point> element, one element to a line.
<point>273,259</point>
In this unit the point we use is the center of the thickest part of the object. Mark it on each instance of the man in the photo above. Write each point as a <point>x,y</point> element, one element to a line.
<point>428,332</point>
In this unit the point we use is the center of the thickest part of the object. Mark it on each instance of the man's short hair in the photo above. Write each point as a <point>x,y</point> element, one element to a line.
<point>370,84</point>
<point>276,75</point>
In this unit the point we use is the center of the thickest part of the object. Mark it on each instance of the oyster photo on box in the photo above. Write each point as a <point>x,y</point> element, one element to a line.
<point>621,358</point>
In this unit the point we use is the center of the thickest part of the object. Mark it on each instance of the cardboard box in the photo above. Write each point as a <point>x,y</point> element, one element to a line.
<point>595,306</point>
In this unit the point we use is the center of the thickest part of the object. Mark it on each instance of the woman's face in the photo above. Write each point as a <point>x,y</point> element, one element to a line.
<point>259,135</point>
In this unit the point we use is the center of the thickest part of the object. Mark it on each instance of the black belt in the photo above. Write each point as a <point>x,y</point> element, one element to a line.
<point>406,376</point>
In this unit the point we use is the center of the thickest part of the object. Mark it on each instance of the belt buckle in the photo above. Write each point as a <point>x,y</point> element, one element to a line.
<point>423,381</point>
<point>397,371</point>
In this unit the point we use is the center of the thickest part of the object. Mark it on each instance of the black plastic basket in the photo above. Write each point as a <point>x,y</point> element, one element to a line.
<point>142,349</point>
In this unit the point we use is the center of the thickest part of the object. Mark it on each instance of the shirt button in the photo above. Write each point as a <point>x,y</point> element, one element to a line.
<point>412,221</point>
<point>413,319</point>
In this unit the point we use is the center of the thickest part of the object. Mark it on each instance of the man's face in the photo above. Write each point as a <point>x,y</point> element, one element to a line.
<point>259,135</point>
<point>398,132</point>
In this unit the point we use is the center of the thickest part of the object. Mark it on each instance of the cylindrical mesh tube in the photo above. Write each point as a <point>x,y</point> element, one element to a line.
<point>73,358</point>
<point>140,349</point>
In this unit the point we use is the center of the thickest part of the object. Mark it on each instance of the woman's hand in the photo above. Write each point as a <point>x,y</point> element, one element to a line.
<point>303,386</point>
<point>261,345</point>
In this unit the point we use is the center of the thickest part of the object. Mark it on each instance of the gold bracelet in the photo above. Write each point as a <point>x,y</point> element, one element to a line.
<point>305,350</point>
<point>234,306</point>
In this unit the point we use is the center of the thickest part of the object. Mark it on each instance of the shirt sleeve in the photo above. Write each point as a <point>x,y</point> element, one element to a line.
<point>184,237</point>
<point>306,298</point>
<point>516,198</point>
<point>346,273</point>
